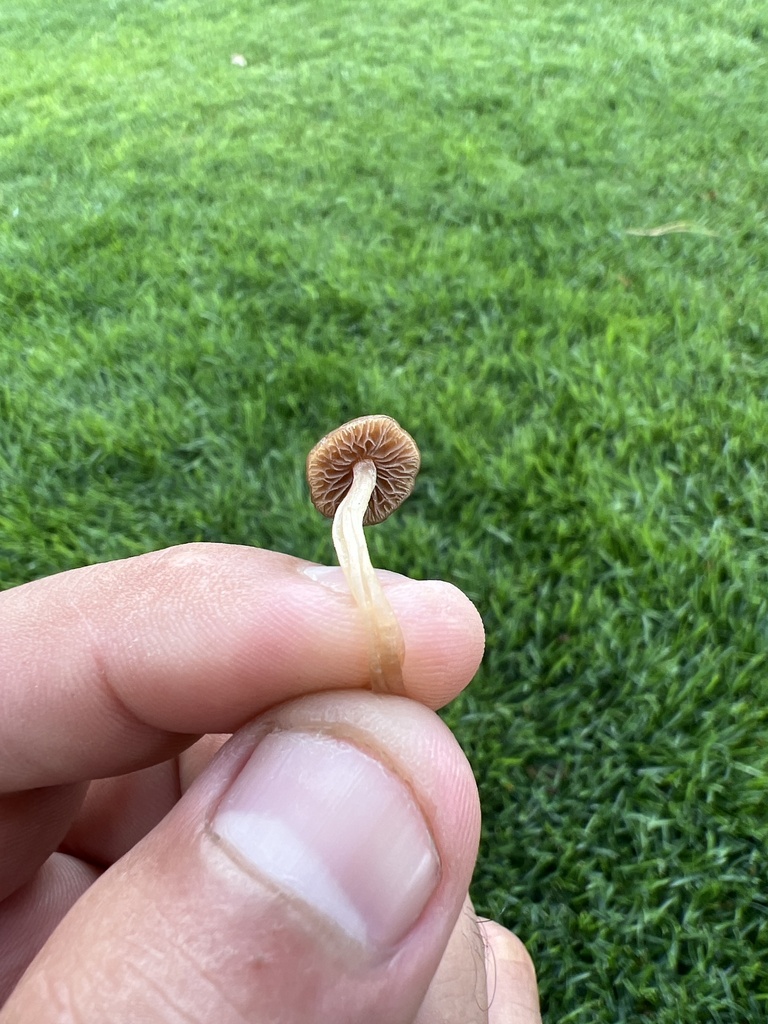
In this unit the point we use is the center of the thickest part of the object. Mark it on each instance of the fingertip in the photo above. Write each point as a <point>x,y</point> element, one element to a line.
<point>513,994</point>
<point>444,638</point>
<point>442,629</point>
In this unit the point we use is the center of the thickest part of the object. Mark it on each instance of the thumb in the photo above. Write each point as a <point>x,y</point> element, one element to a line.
<point>314,871</point>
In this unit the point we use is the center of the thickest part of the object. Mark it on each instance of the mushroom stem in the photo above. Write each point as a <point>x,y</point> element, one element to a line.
<point>385,639</point>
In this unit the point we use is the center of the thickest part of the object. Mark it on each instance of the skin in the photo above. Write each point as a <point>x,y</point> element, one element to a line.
<point>114,906</point>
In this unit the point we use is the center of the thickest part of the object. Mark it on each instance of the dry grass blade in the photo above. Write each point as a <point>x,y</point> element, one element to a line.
<point>679,227</point>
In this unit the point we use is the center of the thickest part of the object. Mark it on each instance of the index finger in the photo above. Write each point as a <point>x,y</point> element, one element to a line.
<point>112,667</point>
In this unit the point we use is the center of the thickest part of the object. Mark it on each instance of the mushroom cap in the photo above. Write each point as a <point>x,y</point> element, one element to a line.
<point>377,439</point>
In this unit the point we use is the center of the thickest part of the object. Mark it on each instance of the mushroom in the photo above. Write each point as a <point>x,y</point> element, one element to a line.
<point>358,474</point>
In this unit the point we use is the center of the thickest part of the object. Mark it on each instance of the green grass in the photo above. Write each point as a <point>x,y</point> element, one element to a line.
<point>422,209</point>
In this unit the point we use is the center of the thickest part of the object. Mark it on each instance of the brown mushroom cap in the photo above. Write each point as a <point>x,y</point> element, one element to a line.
<point>377,439</point>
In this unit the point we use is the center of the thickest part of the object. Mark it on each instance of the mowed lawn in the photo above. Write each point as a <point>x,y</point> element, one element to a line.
<point>537,235</point>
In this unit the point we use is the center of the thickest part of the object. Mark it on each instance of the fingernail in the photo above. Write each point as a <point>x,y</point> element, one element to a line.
<point>332,576</point>
<point>331,825</point>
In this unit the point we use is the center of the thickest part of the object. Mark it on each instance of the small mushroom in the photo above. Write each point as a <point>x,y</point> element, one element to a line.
<point>358,474</point>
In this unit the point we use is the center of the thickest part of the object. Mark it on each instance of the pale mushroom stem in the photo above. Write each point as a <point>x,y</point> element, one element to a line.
<point>385,639</point>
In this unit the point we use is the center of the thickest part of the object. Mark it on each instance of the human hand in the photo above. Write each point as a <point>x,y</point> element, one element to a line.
<point>314,869</point>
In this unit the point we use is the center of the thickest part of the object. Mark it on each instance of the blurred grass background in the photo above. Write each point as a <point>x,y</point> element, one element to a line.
<point>424,209</point>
